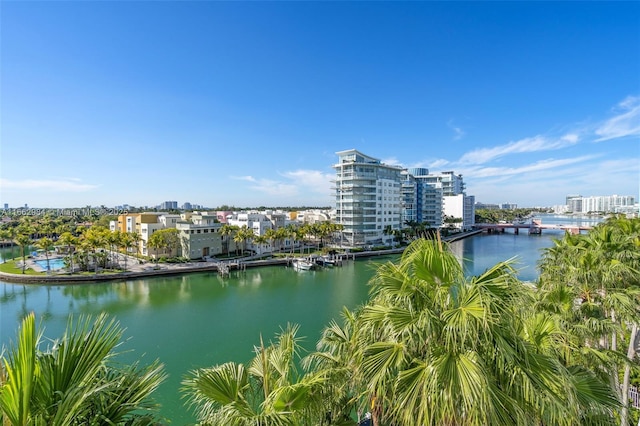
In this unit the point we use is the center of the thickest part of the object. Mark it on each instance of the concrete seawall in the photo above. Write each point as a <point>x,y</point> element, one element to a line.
<point>184,268</point>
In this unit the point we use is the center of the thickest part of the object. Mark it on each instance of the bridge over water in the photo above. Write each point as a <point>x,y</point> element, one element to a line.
<point>534,227</point>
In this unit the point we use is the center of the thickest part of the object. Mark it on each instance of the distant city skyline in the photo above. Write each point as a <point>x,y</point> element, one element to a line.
<point>246,103</point>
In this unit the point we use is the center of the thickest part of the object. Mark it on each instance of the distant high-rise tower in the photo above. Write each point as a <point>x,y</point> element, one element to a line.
<point>169,205</point>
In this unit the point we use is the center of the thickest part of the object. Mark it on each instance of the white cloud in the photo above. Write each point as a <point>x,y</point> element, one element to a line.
<point>571,138</point>
<point>438,164</point>
<point>295,184</point>
<point>391,161</point>
<point>458,133</point>
<point>483,172</point>
<point>247,178</point>
<point>533,144</point>
<point>274,188</point>
<point>55,185</point>
<point>311,180</point>
<point>626,123</point>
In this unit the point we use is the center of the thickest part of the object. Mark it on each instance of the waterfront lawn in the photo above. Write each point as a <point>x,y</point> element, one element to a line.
<point>11,267</point>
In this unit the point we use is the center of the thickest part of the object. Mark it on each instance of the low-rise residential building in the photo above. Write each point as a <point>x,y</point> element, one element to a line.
<point>200,238</point>
<point>144,225</point>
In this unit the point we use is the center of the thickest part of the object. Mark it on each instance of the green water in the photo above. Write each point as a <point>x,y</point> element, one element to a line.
<point>201,319</point>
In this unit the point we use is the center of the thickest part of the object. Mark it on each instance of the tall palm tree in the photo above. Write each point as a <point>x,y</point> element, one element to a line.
<point>281,235</point>
<point>226,231</point>
<point>271,235</point>
<point>69,241</point>
<point>46,244</point>
<point>243,235</point>
<point>126,242</point>
<point>95,239</point>
<point>22,238</point>
<point>434,347</point>
<point>113,238</point>
<point>267,391</point>
<point>261,241</point>
<point>289,232</point>
<point>74,382</point>
<point>590,283</point>
<point>135,239</point>
<point>156,242</point>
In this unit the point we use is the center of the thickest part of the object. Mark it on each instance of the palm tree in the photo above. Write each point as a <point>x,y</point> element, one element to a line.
<point>589,283</point>
<point>226,231</point>
<point>243,235</point>
<point>156,242</point>
<point>271,235</point>
<point>261,240</point>
<point>267,391</point>
<point>337,360</point>
<point>388,230</point>
<point>135,240</point>
<point>74,382</point>
<point>95,239</point>
<point>113,238</point>
<point>22,239</point>
<point>281,235</point>
<point>434,347</point>
<point>69,241</point>
<point>45,244</point>
<point>126,242</point>
<point>303,232</point>
<point>292,235</point>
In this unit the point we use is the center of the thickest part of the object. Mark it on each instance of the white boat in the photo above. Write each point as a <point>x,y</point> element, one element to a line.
<point>302,265</point>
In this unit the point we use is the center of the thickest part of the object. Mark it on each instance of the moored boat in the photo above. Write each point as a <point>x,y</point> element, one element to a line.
<point>302,265</point>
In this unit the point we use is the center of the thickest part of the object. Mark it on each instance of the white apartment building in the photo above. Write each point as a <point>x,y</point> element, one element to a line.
<point>461,207</point>
<point>367,198</point>
<point>427,196</point>
<point>600,204</point>
<point>372,196</point>
<point>260,222</point>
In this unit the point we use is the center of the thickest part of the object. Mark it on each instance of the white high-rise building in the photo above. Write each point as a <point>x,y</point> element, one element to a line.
<point>373,198</point>
<point>367,199</point>
<point>601,204</point>
<point>428,195</point>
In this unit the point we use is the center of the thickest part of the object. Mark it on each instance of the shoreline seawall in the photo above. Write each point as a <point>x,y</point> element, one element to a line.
<point>186,268</point>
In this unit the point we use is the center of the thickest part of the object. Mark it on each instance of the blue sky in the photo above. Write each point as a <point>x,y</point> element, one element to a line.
<point>246,103</point>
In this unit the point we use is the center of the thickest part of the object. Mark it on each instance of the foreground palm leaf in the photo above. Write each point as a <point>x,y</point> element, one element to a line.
<point>75,382</point>
<point>268,392</point>
<point>435,348</point>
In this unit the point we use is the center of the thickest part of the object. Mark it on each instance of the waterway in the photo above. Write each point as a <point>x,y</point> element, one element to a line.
<point>201,319</point>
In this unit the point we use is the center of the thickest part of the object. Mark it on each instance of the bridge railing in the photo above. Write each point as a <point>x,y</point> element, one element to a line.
<point>634,396</point>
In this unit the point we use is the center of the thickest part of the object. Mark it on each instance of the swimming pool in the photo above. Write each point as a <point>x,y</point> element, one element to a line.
<point>54,264</point>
